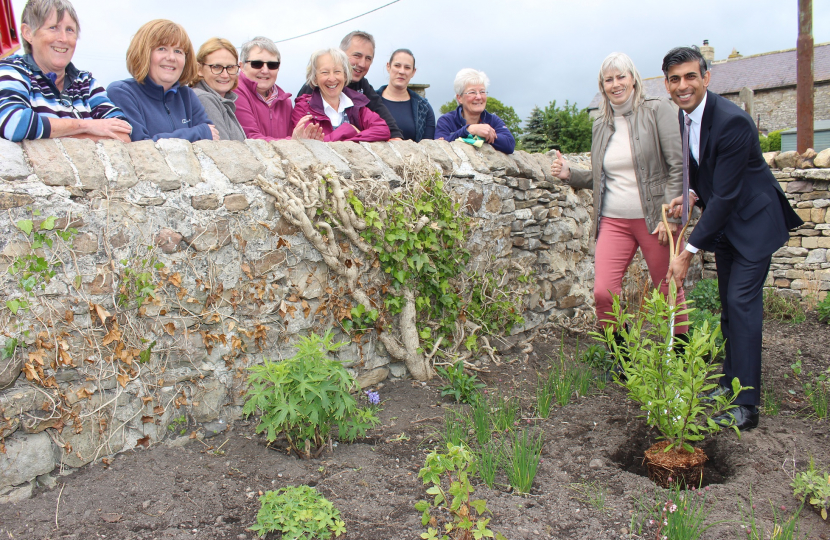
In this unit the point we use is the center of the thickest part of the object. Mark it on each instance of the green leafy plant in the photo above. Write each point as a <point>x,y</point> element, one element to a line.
<point>305,397</point>
<point>462,386</point>
<point>8,349</point>
<point>178,425</point>
<point>783,308</point>
<point>818,394</point>
<point>524,461</point>
<point>448,475</point>
<point>298,513</point>
<point>813,487</point>
<point>705,295</point>
<point>137,280</point>
<point>668,384</point>
<point>770,142</point>
<point>596,356</point>
<point>360,319</point>
<point>823,310</point>
<point>491,306</point>
<point>33,269</point>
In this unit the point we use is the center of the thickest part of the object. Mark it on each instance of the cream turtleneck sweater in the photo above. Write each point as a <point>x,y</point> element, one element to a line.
<point>622,195</point>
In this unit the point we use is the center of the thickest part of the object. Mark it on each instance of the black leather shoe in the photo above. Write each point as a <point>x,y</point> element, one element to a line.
<point>743,417</point>
<point>719,391</point>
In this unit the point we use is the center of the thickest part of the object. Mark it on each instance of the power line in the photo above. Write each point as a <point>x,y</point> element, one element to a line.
<point>337,24</point>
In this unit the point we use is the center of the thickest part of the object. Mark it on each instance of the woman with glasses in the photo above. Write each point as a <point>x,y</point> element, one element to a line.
<point>636,166</point>
<point>156,100</point>
<point>412,113</point>
<point>470,121</point>
<point>341,113</point>
<point>218,77</point>
<point>263,108</point>
<point>42,94</point>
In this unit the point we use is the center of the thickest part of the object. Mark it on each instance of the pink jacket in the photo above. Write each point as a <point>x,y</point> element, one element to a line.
<point>372,127</point>
<point>258,119</point>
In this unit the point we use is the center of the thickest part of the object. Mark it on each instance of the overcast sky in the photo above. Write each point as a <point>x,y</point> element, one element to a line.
<point>534,51</point>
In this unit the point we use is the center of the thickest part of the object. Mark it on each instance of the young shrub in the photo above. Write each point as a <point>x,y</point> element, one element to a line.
<point>449,478</point>
<point>298,513</point>
<point>305,397</point>
<point>668,385</point>
<point>813,487</point>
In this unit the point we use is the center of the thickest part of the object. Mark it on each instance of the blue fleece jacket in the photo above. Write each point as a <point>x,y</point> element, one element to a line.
<point>452,125</point>
<point>156,114</point>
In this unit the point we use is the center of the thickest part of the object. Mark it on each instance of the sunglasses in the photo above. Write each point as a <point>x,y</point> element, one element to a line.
<point>217,69</point>
<point>257,64</point>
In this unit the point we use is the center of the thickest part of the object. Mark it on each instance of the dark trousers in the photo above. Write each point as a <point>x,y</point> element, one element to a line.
<point>741,287</point>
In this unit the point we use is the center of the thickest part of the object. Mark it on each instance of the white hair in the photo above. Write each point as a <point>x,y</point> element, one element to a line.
<point>468,76</point>
<point>260,42</point>
<point>337,55</point>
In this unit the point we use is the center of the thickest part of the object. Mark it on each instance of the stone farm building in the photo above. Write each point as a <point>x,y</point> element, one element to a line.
<point>763,83</point>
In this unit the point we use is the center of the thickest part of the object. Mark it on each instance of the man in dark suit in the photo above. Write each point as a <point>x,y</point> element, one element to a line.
<point>745,218</point>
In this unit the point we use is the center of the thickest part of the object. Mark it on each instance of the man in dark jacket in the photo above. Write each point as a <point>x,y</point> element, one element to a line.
<point>360,48</point>
<point>746,218</point>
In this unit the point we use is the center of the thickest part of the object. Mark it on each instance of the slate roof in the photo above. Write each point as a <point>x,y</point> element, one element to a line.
<point>759,72</point>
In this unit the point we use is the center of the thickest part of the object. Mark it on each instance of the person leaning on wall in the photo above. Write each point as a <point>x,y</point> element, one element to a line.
<point>263,108</point>
<point>218,76</point>
<point>42,94</point>
<point>359,47</point>
<point>636,167</point>
<point>471,121</point>
<point>412,113</point>
<point>343,114</point>
<point>157,101</point>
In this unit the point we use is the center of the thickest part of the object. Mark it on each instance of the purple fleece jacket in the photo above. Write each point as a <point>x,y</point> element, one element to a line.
<point>156,114</point>
<point>452,125</point>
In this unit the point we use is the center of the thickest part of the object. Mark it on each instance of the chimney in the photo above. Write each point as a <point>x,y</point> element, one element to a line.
<point>735,55</point>
<point>708,52</point>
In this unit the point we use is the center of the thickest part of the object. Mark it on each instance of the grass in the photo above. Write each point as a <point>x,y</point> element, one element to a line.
<point>770,401</point>
<point>783,308</point>
<point>782,529</point>
<point>504,411</point>
<point>544,397</point>
<point>482,425</point>
<point>593,494</point>
<point>488,459</point>
<point>524,462</point>
<point>455,427</point>
<point>818,395</point>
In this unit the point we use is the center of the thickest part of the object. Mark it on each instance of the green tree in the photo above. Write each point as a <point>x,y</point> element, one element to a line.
<point>494,106</point>
<point>568,128</point>
<point>535,139</point>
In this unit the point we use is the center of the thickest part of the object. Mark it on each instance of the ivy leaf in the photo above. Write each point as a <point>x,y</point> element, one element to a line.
<point>48,224</point>
<point>25,225</point>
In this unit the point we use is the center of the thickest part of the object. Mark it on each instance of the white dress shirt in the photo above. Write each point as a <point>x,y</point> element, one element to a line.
<point>694,143</point>
<point>339,115</point>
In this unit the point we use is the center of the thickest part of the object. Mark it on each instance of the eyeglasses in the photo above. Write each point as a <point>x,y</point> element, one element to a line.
<point>216,69</point>
<point>257,64</point>
<point>473,93</point>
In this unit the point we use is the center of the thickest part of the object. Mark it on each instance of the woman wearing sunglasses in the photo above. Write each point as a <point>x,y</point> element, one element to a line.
<point>157,102</point>
<point>218,76</point>
<point>263,108</point>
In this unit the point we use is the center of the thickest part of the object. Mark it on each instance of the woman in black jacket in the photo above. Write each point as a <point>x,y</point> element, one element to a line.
<point>413,114</point>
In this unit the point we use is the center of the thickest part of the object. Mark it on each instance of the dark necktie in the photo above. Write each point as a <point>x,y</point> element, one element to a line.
<point>685,216</point>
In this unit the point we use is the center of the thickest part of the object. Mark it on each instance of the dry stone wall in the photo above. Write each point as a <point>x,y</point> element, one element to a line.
<point>102,366</point>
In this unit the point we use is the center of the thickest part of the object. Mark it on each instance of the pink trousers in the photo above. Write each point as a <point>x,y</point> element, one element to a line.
<point>617,242</point>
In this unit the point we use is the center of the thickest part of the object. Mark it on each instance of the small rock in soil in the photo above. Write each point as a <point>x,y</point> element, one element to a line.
<point>595,463</point>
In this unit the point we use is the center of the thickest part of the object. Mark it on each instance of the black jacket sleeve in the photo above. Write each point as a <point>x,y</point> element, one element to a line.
<point>377,106</point>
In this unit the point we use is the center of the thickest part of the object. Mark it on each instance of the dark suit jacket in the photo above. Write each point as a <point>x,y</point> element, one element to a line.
<point>737,190</point>
<point>375,104</point>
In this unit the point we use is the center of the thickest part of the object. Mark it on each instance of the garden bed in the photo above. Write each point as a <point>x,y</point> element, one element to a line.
<point>587,487</point>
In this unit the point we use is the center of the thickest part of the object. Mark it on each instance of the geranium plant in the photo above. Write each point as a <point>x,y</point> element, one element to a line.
<point>305,397</point>
<point>669,382</point>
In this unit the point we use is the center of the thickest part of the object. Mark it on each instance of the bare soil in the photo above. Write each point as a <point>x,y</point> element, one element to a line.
<point>209,489</point>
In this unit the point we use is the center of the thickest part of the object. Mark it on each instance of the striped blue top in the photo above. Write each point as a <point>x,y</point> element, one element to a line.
<point>29,97</point>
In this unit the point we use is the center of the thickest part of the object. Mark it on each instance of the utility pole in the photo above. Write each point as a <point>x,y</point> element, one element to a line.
<point>804,76</point>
